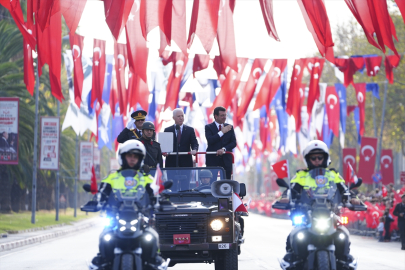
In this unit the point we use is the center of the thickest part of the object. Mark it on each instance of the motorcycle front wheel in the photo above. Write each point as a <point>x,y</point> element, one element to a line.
<point>127,262</point>
<point>322,260</point>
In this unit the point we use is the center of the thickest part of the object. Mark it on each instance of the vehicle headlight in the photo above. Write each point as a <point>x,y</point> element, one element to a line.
<point>216,225</point>
<point>133,222</point>
<point>148,237</point>
<point>107,237</point>
<point>300,236</point>
<point>122,222</point>
<point>322,224</point>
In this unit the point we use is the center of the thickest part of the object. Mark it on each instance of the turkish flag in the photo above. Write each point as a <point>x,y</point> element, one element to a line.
<point>237,204</point>
<point>204,22</point>
<point>116,14</point>
<point>72,11</point>
<point>332,105</point>
<point>173,85</point>
<point>200,62</point>
<point>391,62</point>
<point>76,44</point>
<point>29,74</point>
<point>219,65</point>
<point>315,67</point>
<point>223,98</point>
<point>136,44</point>
<point>373,215</point>
<point>349,157</point>
<point>138,92</point>
<point>267,11</point>
<point>248,92</point>
<point>93,186</point>
<point>226,35</point>
<point>401,6</point>
<point>113,92</point>
<point>281,169</point>
<point>294,95</point>
<point>367,159</point>
<point>373,65</point>
<point>317,22</point>
<point>98,73</point>
<point>350,175</point>
<point>241,67</point>
<point>270,85</point>
<point>349,66</point>
<point>45,9</point>
<point>50,51</point>
<point>361,101</point>
<point>120,56</point>
<point>387,166</point>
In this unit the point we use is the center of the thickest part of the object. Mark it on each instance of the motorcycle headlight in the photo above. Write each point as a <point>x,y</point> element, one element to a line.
<point>322,224</point>
<point>106,221</point>
<point>216,225</point>
<point>148,237</point>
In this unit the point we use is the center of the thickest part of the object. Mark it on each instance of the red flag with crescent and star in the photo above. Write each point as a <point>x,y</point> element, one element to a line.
<point>391,62</point>
<point>226,35</point>
<point>281,169</point>
<point>387,166</point>
<point>76,44</point>
<point>179,61</point>
<point>361,101</point>
<point>98,73</point>
<point>332,105</point>
<point>116,15</point>
<point>267,11</point>
<point>72,11</point>
<point>120,56</point>
<point>368,151</point>
<point>315,67</point>
<point>349,157</point>
<point>373,64</point>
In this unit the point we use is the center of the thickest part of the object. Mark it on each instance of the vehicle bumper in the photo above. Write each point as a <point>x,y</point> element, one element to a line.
<point>196,247</point>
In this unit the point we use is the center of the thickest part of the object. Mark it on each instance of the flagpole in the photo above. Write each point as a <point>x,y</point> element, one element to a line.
<point>382,125</point>
<point>34,162</point>
<point>374,122</point>
<point>76,175</point>
<point>57,176</point>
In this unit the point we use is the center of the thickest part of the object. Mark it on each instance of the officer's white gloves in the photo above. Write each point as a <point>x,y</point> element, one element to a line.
<point>131,124</point>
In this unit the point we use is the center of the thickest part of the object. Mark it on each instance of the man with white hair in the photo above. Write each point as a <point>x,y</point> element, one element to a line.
<point>184,140</point>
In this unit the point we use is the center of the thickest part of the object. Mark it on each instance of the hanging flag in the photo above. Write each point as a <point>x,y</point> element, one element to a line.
<point>373,64</point>
<point>29,74</point>
<point>93,186</point>
<point>327,133</point>
<point>72,11</point>
<point>76,44</point>
<point>267,11</point>
<point>99,66</point>
<point>332,109</point>
<point>350,175</point>
<point>391,62</point>
<point>116,14</point>
<point>317,22</point>
<point>356,117</point>
<point>223,98</point>
<point>138,92</point>
<point>178,24</point>
<point>45,9</point>
<point>303,134</point>
<point>291,142</point>
<point>201,62</point>
<point>361,101</point>
<point>136,43</point>
<point>341,91</point>
<point>282,117</point>
<point>249,90</point>
<point>188,70</point>
<point>367,159</point>
<point>401,6</point>
<point>50,51</point>
<point>270,84</point>
<point>387,166</point>
<point>315,67</point>
<point>374,88</point>
<point>318,111</point>
<point>349,158</point>
<point>113,99</point>
<point>281,169</point>
<point>104,128</point>
<point>120,56</point>
<point>108,78</point>
<point>173,86</point>
<point>204,23</point>
<point>237,204</point>
<point>226,35</point>
<point>349,66</point>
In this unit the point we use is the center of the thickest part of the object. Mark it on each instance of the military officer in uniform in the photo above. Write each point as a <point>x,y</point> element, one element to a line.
<point>153,152</point>
<point>134,127</point>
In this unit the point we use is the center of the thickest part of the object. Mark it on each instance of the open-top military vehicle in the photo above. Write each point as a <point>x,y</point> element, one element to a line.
<point>196,222</point>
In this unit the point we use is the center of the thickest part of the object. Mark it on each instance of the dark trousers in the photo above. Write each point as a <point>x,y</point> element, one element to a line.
<point>401,227</point>
<point>381,236</point>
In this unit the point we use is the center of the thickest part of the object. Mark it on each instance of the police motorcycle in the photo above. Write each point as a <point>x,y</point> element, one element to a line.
<point>129,242</point>
<point>319,240</point>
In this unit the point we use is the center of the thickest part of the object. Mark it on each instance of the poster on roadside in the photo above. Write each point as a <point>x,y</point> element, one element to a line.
<point>97,161</point>
<point>50,134</point>
<point>9,130</point>
<point>114,166</point>
<point>86,160</point>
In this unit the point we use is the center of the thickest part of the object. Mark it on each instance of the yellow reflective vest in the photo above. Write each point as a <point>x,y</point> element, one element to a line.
<point>119,182</point>
<point>305,179</point>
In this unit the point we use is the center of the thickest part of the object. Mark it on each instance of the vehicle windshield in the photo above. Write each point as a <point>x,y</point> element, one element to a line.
<point>191,179</point>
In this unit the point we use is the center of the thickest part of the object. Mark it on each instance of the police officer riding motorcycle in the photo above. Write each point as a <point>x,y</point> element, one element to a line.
<point>316,196</point>
<point>126,193</point>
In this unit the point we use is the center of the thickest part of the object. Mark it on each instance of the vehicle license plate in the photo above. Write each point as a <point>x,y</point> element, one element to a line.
<point>223,246</point>
<point>181,239</point>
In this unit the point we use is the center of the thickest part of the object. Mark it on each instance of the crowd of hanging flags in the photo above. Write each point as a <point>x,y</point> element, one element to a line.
<point>98,86</point>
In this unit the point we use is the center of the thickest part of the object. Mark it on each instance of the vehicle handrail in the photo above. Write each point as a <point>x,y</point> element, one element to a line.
<point>203,153</point>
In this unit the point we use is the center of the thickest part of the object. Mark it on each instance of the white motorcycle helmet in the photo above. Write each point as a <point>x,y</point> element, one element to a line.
<point>131,146</point>
<point>314,147</point>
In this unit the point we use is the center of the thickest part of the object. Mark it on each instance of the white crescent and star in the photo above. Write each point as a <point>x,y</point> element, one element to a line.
<point>384,158</point>
<point>276,72</point>
<point>120,56</point>
<point>76,48</point>
<point>97,50</point>
<point>178,63</point>
<point>349,157</point>
<point>257,70</point>
<point>331,97</point>
<point>137,2</point>
<point>367,158</point>
<point>298,67</point>
<point>360,97</point>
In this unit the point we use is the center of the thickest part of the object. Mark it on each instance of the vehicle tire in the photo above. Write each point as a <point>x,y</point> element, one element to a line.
<point>227,260</point>
<point>127,262</point>
<point>322,260</point>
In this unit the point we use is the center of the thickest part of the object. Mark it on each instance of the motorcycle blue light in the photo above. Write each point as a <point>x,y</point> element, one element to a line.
<point>106,221</point>
<point>298,220</point>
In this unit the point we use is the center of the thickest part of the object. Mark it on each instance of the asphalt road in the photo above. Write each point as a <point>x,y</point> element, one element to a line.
<point>265,243</point>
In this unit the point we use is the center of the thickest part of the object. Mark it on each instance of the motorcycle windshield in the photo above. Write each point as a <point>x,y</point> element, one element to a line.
<point>319,184</point>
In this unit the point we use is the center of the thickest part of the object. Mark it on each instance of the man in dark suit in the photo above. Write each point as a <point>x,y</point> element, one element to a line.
<point>134,127</point>
<point>184,138</point>
<point>4,140</point>
<point>221,138</point>
<point>399,211</point>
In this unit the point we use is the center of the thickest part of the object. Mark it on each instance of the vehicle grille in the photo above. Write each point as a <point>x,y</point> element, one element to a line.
<point>193,224</point>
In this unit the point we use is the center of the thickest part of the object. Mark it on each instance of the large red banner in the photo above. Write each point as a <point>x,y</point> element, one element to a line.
<point>387,166</point>
<point>368,151</point>
<point>349,157</point>
<point>9,111</point>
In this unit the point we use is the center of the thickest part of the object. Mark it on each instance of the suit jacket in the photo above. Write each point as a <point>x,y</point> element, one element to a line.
<point>188,142</point>
<point>215,142</point>
<point>399,208</point>
<point>4,143</point>
<point>127,134</point>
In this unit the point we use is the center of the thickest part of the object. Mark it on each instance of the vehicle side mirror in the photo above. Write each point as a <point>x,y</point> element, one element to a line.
<point>242,191</point>
<point>168,184</point>
<point>281,183</point>
<point>87,187</point>
<point>359,182</point>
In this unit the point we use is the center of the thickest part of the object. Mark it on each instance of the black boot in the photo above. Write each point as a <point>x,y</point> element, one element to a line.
<point>99,263</point>
<point>288,261</point>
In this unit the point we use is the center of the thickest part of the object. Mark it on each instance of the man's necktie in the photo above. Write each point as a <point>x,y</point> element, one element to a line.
<point>220,127</point>
<point>178,136</point>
